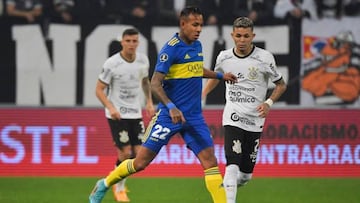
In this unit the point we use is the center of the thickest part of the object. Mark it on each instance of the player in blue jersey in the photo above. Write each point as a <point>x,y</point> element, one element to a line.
<point>177,83</point>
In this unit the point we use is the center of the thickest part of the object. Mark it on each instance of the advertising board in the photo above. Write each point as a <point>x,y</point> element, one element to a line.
<point>77,142</point>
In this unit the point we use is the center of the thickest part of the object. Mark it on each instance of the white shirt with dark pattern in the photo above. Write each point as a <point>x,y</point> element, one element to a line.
<point>253,73</point>
<point>124,80</point>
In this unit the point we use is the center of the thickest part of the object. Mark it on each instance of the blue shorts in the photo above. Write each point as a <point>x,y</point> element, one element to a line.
<point>194,132</point>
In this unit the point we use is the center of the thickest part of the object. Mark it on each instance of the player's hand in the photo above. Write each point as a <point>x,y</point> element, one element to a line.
<point>150,109</point>
<point>176,116</point>
<point>115,114</point>
<point>263,110</point>
<point>230,78</point>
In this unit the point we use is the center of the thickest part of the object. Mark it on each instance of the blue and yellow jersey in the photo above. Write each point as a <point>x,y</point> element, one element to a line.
<point>182,65</point>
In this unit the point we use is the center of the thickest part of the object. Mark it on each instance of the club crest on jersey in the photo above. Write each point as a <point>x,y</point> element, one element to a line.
<point>164,57</point>
<point>253,73</point>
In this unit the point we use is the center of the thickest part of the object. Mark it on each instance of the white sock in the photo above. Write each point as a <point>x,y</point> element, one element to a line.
<point>243,178</point>
<point>230,182</point>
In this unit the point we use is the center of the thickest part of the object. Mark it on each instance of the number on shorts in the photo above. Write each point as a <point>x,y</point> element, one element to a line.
<point>256,148</point>
<point>160,132</point>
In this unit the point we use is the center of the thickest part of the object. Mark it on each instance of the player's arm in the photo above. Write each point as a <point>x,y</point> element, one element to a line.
<point>229,77</point>
<point>279,89</point>
<point>209,86</point>
<point>100,94</point>
<point>145,83</point>
<point>158,91</point>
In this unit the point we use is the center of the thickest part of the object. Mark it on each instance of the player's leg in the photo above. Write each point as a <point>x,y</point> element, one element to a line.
<point>234,137</point>
<point>144,156</point>
<point>119,189</point>
<point>125,169</point>
<point>213,178</point>
<point>198,139</point>
<point>157,135</point>
<point>121,135</point>
<point>250,149</point>
<point>135,129</point>
<point>230,182</point>
<point>130,166</point>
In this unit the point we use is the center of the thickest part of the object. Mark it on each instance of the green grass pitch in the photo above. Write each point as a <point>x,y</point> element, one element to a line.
<point>181,190</point>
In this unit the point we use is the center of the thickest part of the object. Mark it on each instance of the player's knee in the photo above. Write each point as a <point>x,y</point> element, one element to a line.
<point>207,158</point>
<point>126,152</point>
<point>243,178</point>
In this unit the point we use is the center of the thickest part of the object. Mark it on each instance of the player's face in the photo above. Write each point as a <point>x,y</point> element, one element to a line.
<point>129,43</point>
<point>243,38</point>
<point>191,27</point>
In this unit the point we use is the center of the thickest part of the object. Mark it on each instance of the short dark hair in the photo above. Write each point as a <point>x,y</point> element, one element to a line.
<point>130,31</point>
<point>243,22</point>
<point>190,10</point>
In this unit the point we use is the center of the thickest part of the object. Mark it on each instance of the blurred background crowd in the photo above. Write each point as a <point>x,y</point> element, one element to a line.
<point>143,14</point>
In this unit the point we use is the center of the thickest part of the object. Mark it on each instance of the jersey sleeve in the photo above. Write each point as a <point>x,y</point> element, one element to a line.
<point>219,60</point>
<point>145,71</point>
<point>165,59</point>
<point>273,72</point>
<point>106,73</point>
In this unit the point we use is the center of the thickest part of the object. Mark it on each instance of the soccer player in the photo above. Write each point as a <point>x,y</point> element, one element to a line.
<point>119,88</point>
<point>177,83</point>
<point>246,107</point>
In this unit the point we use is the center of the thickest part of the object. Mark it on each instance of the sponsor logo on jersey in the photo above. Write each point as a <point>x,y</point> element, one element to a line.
<point>238,88</point>
<point>240,76</point>
<point>124,110</point>
<point>237,96</point>
<point>272,67</point>
<point>185,70</point>
<point>236,118</point>
<point>195,67</point>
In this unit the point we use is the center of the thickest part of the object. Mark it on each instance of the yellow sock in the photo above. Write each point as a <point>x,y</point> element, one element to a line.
<point>213,181</point>
<point>123,170</point>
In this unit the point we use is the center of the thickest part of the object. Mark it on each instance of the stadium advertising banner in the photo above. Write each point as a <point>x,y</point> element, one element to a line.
<point>76,142</point>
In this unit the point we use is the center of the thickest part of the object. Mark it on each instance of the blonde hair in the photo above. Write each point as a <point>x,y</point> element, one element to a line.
<point>243,22</point>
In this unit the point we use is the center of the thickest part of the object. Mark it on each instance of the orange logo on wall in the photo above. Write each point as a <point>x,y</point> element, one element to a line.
<point>336,69</point>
